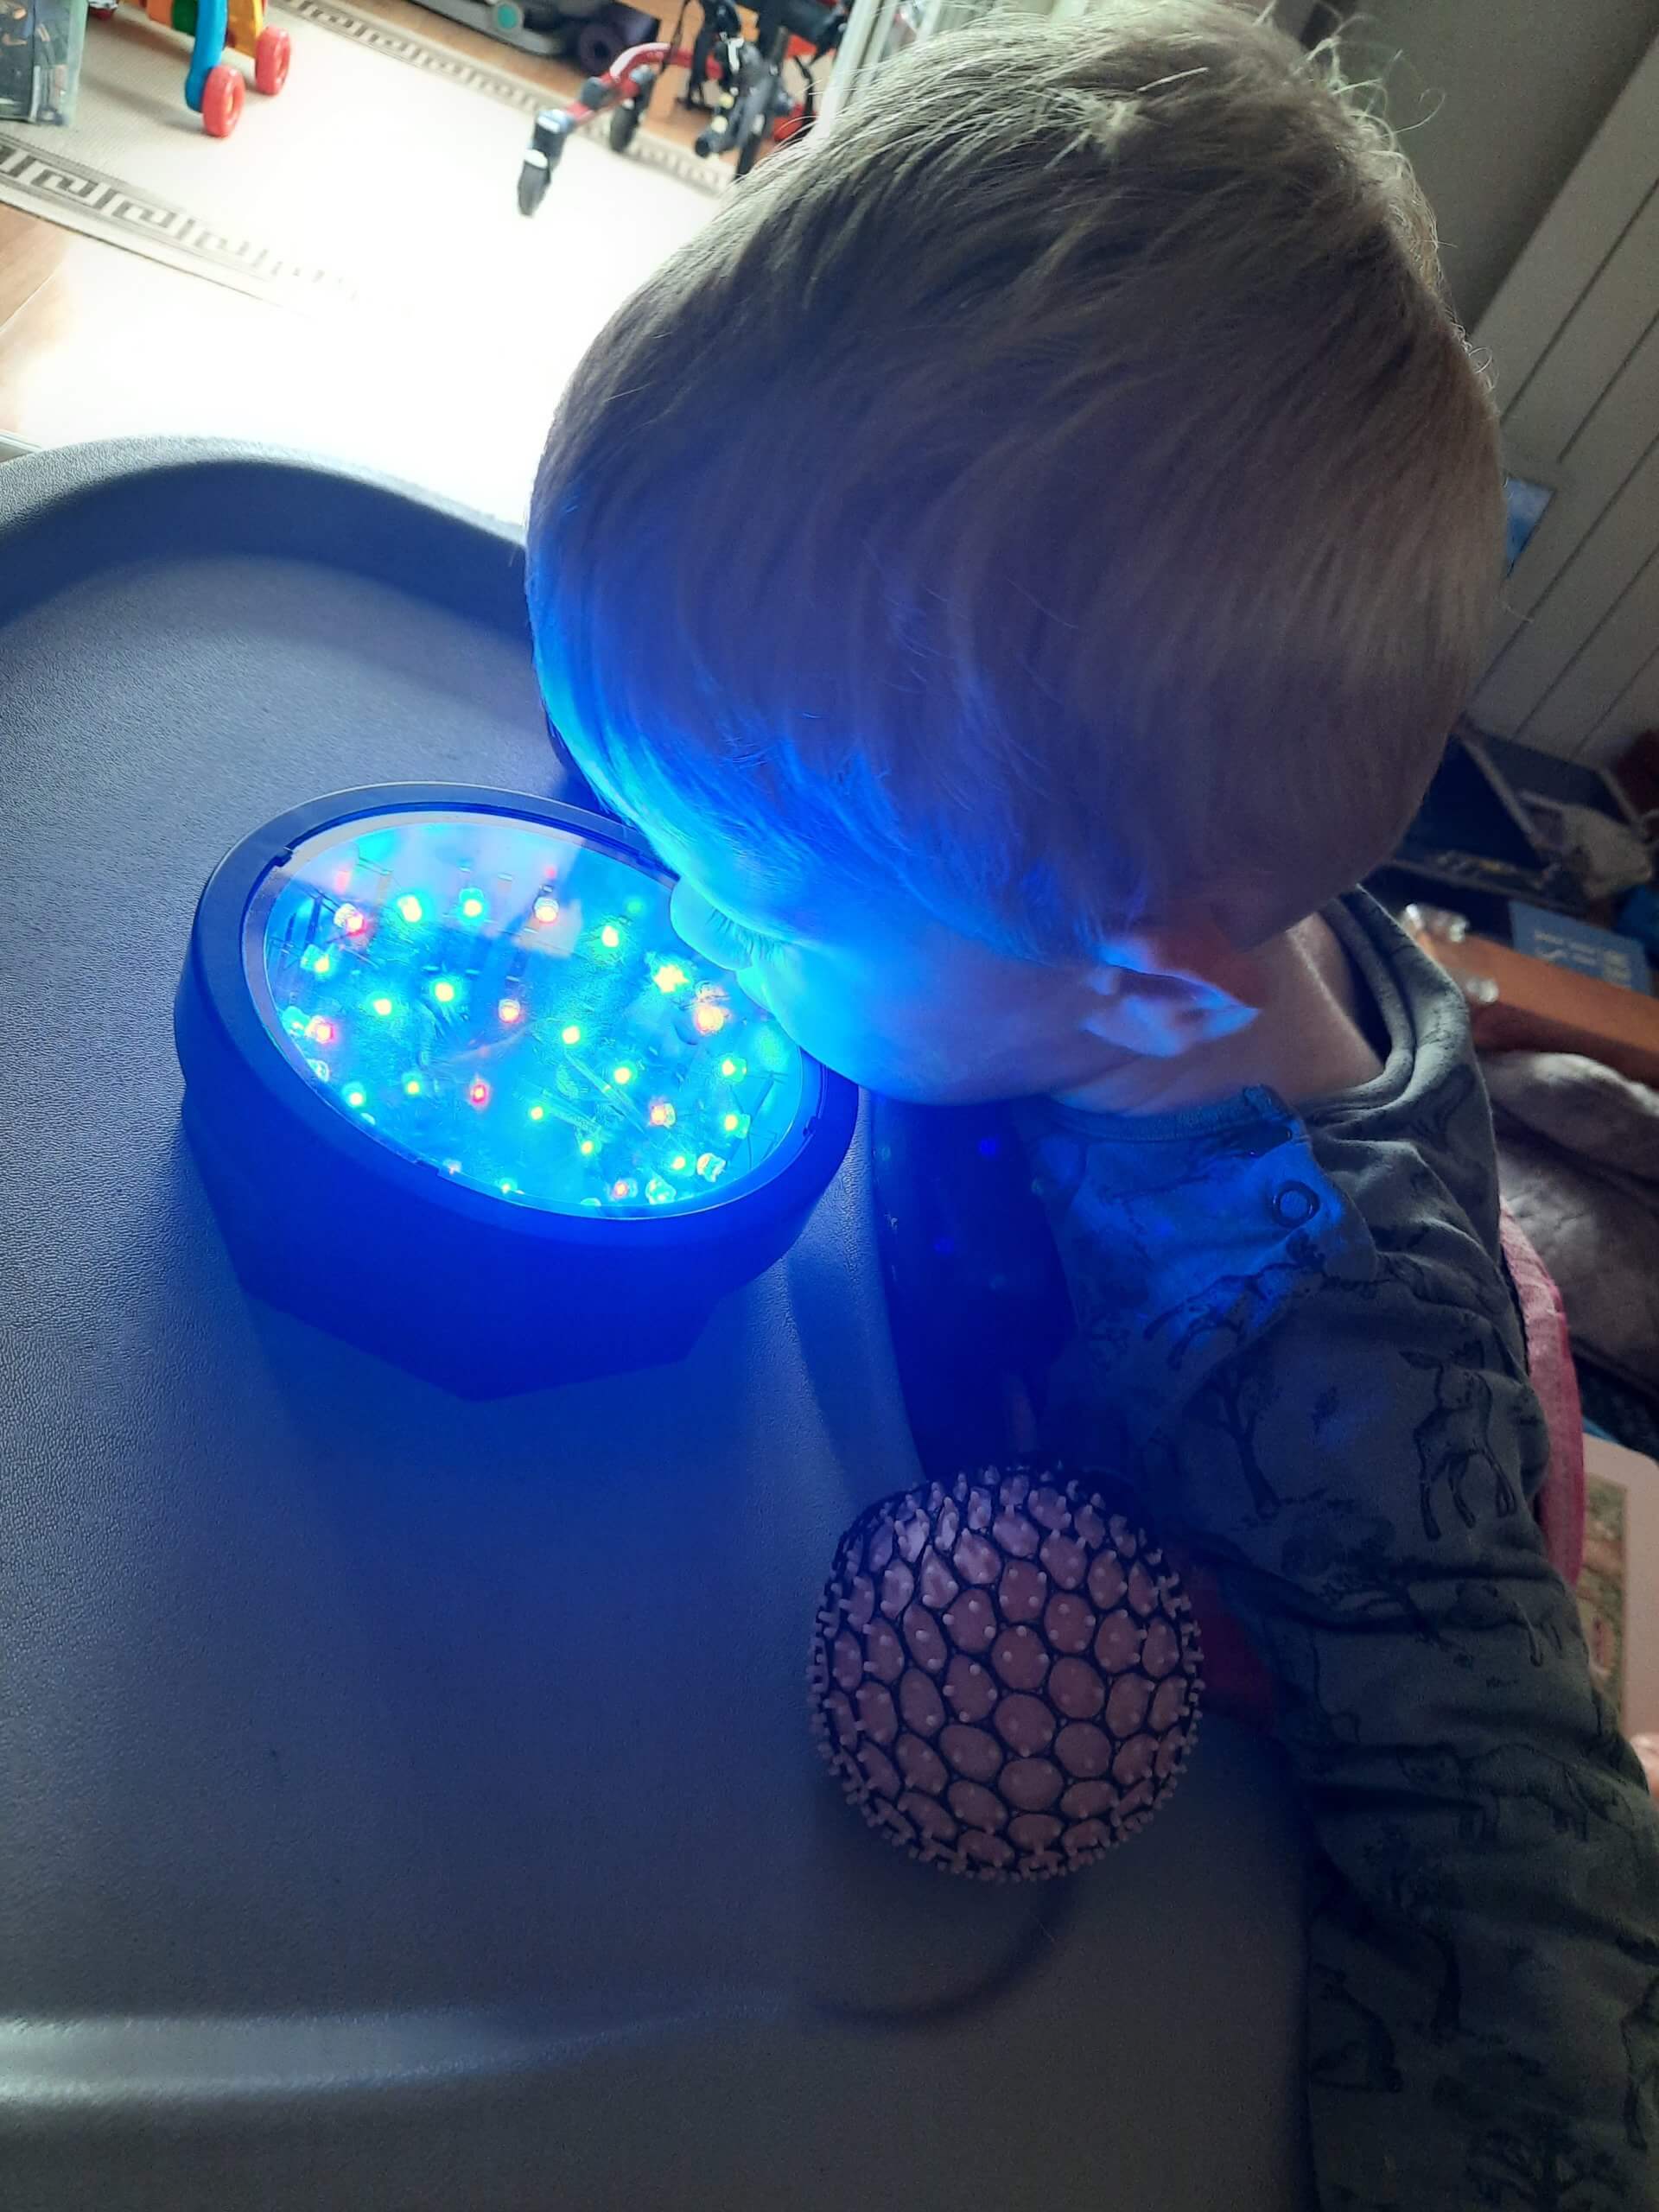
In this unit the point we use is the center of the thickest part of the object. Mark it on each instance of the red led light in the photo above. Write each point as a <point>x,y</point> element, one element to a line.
<point>478,1092</point>
<point>510,1010</point>
<point>709,1016</point>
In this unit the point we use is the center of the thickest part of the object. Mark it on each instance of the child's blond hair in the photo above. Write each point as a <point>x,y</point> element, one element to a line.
<point>1061,488</point>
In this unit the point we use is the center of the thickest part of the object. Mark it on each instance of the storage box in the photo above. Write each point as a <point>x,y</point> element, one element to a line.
<point>1619,1589</point>
<point>39,59</point>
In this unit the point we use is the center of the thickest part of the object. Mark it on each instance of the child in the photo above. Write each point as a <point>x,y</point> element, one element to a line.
<point>1075,520</point>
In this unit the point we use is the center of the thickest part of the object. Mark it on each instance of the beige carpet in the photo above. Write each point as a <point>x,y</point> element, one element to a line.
<point>384,174</point>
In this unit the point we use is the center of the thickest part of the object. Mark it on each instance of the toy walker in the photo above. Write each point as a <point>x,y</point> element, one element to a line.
<point>213,86</point>
<point>750,103</point>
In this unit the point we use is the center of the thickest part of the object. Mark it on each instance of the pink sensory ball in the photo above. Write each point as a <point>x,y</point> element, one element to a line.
<point>1005,1673</point>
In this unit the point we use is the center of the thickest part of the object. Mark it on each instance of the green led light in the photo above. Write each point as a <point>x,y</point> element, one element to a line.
<point>390,985</point>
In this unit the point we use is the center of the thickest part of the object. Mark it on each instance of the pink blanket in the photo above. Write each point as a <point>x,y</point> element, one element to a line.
<point>1549,1353</point>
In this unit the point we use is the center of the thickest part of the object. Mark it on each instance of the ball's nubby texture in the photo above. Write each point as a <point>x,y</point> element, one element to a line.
<point>1005,1673</point>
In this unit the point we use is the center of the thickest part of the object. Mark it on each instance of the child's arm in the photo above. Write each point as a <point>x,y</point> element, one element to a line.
<point>1484,1979</point>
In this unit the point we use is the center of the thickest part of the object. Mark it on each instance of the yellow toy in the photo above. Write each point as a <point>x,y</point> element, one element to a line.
<point>213,86</point>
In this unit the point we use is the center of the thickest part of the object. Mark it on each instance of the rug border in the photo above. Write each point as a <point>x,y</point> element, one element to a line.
<point>166,232</point>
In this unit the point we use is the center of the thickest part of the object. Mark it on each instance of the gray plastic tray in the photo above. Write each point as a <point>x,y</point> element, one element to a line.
<point>407,1803</point>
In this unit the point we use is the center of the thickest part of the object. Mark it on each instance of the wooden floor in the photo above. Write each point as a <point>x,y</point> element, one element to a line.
<point>75,313</point>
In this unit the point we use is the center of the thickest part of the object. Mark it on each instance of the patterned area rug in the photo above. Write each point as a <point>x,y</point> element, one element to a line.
<point>387,169</point>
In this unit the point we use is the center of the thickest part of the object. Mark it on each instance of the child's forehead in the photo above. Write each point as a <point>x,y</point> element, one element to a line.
<point>732,870</point>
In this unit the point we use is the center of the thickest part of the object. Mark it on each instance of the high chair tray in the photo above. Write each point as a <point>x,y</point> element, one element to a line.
<point>409,1802</point>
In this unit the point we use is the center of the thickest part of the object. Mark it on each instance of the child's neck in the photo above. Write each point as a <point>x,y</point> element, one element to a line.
<point>1305,1042</point>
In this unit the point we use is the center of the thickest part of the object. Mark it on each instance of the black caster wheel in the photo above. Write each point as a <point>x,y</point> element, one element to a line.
<point>626,120</point>
<point>535,174</point>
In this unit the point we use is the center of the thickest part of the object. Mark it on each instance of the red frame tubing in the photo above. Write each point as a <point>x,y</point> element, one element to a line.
<point>621,74</point>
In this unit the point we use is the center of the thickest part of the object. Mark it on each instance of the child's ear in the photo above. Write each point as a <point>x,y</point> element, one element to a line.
<point>1168,988</point>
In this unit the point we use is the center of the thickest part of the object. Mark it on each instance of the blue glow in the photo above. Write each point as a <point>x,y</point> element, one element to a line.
<point>501,1001</point>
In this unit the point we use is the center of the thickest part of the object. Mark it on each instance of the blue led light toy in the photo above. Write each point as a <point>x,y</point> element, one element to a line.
<point>462,1097</point>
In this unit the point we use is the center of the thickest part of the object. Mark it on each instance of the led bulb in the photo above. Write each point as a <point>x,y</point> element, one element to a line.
<point>463,1049</point>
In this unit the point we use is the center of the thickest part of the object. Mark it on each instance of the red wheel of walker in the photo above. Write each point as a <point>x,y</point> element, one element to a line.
<point>221,99</point>
<point>272,51</point>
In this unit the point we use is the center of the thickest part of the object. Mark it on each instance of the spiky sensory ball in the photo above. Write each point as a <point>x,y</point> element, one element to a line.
<point>1004,1672</point>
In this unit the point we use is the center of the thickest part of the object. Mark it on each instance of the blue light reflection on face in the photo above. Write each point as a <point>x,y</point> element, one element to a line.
<point>509,1005</point>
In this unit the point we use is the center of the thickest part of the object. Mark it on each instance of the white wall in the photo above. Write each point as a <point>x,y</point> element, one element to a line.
<point>1496,100</point>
